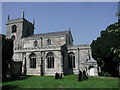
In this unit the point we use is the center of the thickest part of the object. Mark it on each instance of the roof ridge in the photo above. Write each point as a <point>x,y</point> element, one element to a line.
<point>51,33</point>
<point>55,32</point>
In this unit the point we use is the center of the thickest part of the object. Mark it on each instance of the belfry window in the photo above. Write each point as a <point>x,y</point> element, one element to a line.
<point>14,28</point>
<point>48,42</point>
<point>71,60</point>
<point>32,60</point>
<point>50,60</point>
<point>35,43</point>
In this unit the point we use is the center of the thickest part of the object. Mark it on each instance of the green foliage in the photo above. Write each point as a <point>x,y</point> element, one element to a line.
<point>106,49</point>
<point>69,81</point>
<point>7,53</point>
<point>107,74</point>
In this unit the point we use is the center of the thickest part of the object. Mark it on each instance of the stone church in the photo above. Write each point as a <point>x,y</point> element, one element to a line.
<point>47,53</point>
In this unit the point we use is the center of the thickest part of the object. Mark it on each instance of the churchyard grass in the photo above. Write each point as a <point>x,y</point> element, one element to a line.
<point>69,81</point>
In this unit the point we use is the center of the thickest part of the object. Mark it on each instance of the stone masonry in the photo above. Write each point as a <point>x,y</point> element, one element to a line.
<point>48,53</point>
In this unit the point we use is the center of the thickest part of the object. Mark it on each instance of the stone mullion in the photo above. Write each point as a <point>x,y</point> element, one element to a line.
<point>23,63</point>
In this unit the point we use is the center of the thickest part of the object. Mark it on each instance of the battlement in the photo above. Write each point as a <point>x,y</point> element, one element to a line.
<point>21,19</point>
<point>18,20</point>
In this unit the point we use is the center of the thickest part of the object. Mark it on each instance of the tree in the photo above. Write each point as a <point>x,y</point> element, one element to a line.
<point>106,50</point>
<point>7,53</point>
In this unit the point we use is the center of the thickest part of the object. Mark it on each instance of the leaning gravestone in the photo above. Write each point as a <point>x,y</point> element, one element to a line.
<point>80,75</point>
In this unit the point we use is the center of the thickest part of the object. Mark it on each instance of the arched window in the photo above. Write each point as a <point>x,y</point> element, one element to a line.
<point>35,43</point>
<point>32,60</point>
<point>14,28</point>
<point>48,42</point>
<point>50,60</point>
<point>13,37</point>
<point>71,60</point>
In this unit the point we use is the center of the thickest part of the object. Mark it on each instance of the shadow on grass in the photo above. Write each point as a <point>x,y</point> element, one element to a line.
<point>15,78</point>
<point>9,87</point>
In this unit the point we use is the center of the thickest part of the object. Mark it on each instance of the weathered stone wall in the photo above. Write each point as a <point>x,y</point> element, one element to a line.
<point>55,41</point>
<point>28,28</point>
<point>57,64</point>
<point>23,26</point>
<point>82,55</point>
<point>17,56</point>
<point>19,24</point>
<point>33,71</point>
<point>37,71</point>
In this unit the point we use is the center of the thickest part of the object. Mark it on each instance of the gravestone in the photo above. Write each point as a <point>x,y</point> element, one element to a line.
<point>80,75</point>
<point>56,75</point>
<point>84,76</point>
<point>60,76</point>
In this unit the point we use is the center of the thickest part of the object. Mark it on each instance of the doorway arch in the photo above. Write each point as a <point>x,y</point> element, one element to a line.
<point>91,70</point>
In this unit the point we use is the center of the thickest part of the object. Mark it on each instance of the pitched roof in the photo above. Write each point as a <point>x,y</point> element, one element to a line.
<point>49,34</point>
<point>91,60</point>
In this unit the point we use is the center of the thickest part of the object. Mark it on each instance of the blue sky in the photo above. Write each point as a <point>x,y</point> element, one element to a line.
<point>86,19</point>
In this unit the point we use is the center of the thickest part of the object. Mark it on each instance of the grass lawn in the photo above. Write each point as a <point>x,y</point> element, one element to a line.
<point>69,81</point>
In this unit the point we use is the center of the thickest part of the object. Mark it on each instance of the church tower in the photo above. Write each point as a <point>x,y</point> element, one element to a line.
<point>19,28</point>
